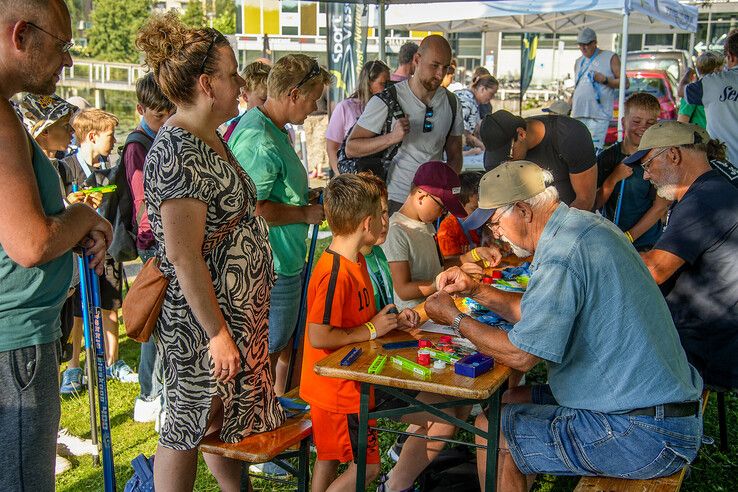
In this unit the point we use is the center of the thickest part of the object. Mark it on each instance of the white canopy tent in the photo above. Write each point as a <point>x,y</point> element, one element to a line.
<point>554,16</point>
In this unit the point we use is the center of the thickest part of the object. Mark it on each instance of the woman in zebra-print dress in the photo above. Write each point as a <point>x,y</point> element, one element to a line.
<point>212,332</point>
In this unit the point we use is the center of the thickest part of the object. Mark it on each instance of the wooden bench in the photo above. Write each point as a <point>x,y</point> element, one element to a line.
<point>290,440</point>
<point>672,483</point>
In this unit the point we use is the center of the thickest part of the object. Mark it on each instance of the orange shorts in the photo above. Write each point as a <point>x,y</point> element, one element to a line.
<point>336,436</point>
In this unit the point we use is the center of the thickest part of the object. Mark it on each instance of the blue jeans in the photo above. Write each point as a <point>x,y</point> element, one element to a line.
<point>29,417</point>
<point>284,304</point>
<point>546,438</point>
<point>149,365</point>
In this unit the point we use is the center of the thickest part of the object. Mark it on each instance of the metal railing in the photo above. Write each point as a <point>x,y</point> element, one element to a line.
<point>91,74</point>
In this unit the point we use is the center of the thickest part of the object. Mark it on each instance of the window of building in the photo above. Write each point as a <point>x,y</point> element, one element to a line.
<point>290,30</point>
<point>635,42</point>
<point>290,6</point>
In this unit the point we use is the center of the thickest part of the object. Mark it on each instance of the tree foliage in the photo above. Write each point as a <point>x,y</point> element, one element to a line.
<point>225,16</point>
<point>114,26</point>
<point>193,15</point>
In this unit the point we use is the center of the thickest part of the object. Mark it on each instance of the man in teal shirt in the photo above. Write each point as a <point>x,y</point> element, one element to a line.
<point>36,237</point>
<point>263,148</point>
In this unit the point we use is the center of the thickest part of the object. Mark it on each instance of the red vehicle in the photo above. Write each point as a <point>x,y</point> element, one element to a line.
<point>657,82</point>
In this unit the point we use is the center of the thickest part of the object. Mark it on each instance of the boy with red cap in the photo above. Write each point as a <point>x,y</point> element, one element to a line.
<point>411,248</point>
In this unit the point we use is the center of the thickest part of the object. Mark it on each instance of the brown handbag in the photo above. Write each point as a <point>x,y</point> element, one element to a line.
<point>142,304</point>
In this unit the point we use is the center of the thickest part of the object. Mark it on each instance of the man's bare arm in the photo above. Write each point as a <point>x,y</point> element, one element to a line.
<point>661,264</point>
<point>27,234</point>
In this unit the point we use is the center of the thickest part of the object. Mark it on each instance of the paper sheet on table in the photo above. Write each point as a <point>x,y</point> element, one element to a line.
<point>432,327</point>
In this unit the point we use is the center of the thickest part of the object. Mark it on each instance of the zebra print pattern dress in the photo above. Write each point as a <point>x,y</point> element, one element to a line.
<point>180,165</point>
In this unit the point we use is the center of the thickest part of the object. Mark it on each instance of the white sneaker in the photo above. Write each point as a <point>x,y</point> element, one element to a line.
<point>146,410</point>
<point>61,465</point>
<point>75,445</point>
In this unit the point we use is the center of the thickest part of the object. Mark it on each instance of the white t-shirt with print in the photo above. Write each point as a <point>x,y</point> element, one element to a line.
<point>417,147</point>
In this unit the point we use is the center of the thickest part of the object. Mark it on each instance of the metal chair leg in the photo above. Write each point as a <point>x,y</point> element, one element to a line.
<point>722,422</point>
<point>303,478</point>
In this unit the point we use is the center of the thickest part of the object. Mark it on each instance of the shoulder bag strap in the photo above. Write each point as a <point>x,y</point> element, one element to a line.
<point>453,102</point>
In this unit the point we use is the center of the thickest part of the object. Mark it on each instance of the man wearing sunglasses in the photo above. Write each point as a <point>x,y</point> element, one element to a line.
<point>694,260</point>
<point>432,125</point>
<point>597,78</point>
<point>595,317</point>
<point>718,92</point>
<point>37,235</point>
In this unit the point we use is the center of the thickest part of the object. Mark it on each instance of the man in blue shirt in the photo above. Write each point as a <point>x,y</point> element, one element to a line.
<point>622,399</point>
<point>695,259</point>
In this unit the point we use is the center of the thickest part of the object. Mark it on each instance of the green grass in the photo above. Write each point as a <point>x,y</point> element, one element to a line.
<point>713,471</point>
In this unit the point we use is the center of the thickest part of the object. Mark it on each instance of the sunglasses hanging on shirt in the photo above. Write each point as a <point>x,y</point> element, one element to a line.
<point>427,124</point>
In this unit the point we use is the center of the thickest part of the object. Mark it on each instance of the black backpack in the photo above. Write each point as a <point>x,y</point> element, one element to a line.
<point>381,162</point>
<point>117,207</point>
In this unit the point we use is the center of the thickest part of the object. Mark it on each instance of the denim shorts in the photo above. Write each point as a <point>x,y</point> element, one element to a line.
<point>546,438</point>
<point>283,311</point>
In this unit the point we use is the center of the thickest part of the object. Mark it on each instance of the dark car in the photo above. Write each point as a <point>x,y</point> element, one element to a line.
<point>660,84</point>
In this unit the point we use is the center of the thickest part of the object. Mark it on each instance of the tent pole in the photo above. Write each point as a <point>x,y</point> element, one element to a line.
<point>382,34</point>
<point>623,78</point>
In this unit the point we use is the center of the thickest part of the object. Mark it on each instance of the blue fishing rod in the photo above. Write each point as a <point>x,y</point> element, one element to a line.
<point>92,281</point>
<point>300,328</point>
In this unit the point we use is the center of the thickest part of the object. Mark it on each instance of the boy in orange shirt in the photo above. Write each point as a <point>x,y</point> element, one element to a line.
<point>453,239</point>
<point>342,311</point>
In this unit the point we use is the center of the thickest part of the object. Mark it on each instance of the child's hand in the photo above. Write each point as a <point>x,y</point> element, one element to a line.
<point>93,199</point>
<point>408,319</point>
<point>472,269</point>
<point>384,321</point>
<point>487,256</point>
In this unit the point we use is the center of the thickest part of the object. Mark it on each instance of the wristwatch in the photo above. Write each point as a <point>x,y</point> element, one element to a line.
<point>457,323</point>
<point>605,82</point>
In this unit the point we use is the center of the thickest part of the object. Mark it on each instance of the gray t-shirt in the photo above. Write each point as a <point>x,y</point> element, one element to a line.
<point>417,147</point>
<point>718,92</point>
<point>592,99</point>
<point>412,241</point>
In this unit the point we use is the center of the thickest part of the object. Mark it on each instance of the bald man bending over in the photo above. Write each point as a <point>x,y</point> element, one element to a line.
<point>36,237</point>
<point>428,130</point>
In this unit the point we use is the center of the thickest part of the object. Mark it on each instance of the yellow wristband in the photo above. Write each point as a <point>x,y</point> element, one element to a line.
<point>475,256</point>
<point>372,330</point>
<point>629,236</point>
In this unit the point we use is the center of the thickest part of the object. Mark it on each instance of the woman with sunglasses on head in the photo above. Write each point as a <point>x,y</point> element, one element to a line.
<point>372,80</point>
<point>262,147</point>
<point>212,331</point>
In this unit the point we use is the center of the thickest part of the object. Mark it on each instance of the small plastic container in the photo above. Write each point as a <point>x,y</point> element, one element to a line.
<point>439,364</point>
<point>424,343</point>
<point>474,365</point>
<point>445,339</point>
<point>424,358</point>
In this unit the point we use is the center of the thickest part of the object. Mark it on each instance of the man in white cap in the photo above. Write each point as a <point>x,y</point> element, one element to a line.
<point>621,400</point>
<point>596,82</point>
<point>695,256</point>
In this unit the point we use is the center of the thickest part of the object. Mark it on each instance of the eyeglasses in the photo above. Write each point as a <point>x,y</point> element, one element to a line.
<point>65,45</point>
<point>647,163</point>
<point>443,207</point>
<point>207,53</point>
<point>496,223</point>
<point>428,125</point>
<point>312,73</point>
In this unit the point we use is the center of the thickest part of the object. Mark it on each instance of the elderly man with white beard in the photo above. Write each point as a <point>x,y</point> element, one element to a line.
<point>695,258</point>
<point>621,400</point>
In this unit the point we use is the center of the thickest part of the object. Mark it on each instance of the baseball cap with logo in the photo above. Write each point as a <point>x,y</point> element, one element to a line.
<point>40,112</point>
<point>498,130</point>
<point>667,134</point>
<point>586,36</point>
<point>438,179</point>
<point>508,183</point>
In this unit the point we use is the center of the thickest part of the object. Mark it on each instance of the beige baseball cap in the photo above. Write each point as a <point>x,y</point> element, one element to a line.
<point>667,134</point>
<point>506,184</point>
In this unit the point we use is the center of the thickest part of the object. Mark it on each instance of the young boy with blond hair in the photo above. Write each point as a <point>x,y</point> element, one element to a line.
<point>95,131</point>
<point>342,311</point>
